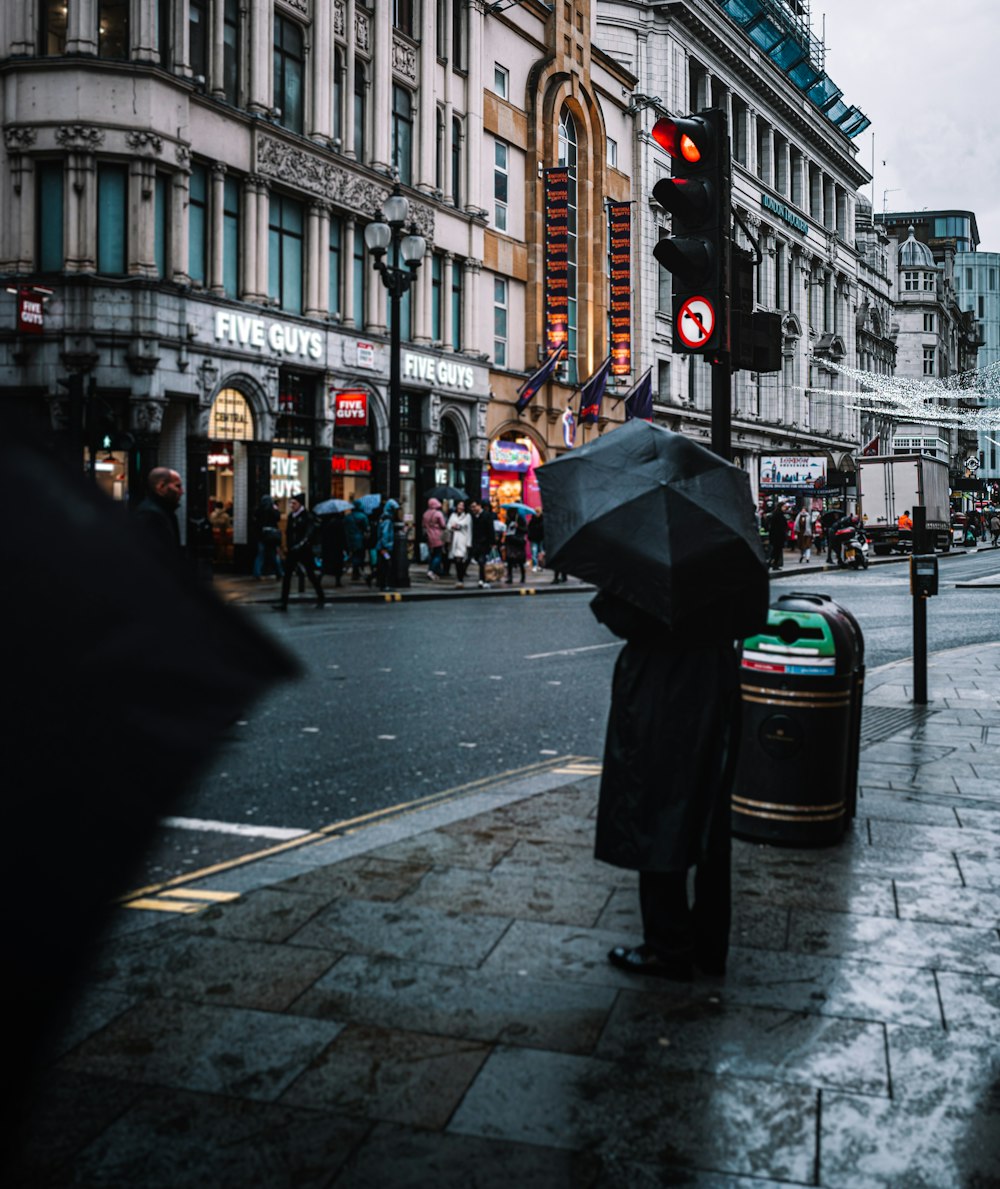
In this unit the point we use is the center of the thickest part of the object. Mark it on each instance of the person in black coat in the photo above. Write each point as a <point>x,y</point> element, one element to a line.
<point>777,533</point>
<point>300,532</point>
<point>333,535</point>
<point>664,801</point>
<point>483,537</point>
<point>156,515</point>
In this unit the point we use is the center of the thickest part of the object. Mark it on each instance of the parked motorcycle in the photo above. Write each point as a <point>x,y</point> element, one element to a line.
<point>853,547</point>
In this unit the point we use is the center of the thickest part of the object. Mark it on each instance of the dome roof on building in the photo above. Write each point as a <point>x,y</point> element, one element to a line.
<point>863,204</point>
<point>914,254</point>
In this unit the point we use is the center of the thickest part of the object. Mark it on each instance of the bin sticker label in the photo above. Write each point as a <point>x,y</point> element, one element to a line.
<point>807,666</point>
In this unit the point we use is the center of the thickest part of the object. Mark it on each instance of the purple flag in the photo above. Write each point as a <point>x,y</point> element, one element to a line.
<point>535,382</point>
<point>639,402</point>
<point>592,393</point>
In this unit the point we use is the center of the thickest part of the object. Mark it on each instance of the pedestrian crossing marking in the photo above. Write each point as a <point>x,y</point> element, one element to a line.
<point>182,900</point>
<point>202,894</point>
<point>580,770</point>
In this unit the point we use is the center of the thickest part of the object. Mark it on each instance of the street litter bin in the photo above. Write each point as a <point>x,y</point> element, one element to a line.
<point>801,683</point>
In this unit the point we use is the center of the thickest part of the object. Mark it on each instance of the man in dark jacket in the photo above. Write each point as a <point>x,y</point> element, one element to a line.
<point>777,533</point>
<point>300,533</point>
<point>156,515</point>
<point>483,537</point>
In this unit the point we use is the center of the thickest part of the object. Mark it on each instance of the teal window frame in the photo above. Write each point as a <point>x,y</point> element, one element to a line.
<point>50,188</point>
<point>286,252</point>
<point>198,192</point>
<point>112,219</point>
<point>231,236</point>
<point>289,73</point>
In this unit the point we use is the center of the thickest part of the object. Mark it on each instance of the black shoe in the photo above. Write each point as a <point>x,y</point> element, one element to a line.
<point>643,960</point>
<point>279,606</point>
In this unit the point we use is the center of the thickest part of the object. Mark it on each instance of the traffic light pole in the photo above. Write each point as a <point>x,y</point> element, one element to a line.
<point>722,403</point>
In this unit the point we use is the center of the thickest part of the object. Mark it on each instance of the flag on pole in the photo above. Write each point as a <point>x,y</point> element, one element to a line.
<point>536,381</point>
<point>592,393</point>
<point>639,402</point>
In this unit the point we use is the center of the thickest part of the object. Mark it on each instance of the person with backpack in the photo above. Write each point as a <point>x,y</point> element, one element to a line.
<point>301,535</point>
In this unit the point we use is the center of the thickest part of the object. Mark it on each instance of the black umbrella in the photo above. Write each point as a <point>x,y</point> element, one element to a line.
<point>660,521</point>
<point>444,492</point>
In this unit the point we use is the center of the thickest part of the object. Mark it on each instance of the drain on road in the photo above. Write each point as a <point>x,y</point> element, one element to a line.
<point>879,723</point>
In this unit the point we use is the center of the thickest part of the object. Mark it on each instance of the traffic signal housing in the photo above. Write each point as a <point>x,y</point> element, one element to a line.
<point>697,194</point>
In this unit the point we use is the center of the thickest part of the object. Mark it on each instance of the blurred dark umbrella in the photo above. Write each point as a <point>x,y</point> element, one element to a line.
<point>123,673</point>
<point>654,518</point>
<point>444,492</point>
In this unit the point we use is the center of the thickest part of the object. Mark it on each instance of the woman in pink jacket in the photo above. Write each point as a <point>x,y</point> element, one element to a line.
<point>433,525</point>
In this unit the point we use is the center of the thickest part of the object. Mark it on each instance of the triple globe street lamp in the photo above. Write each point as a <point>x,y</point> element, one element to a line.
<point>386,237</point>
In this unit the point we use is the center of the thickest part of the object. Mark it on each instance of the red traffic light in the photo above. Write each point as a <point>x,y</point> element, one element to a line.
<point>686,139</point>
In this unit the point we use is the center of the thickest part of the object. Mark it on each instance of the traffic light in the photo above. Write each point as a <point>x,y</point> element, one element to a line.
<point>697,252</point>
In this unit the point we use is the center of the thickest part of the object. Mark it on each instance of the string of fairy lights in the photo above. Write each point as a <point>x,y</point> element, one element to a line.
<point>940,400</point>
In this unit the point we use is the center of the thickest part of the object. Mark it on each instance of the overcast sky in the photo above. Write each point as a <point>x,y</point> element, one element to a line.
<point>927,73</point>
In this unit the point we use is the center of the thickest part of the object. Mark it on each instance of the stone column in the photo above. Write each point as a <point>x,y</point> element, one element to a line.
<point>474,110</point>
<point>217,229</point>
<point>447,263</point>
<point>380,123</point>
<point>20,23</point>
<point>317,259</point>
<point>250,290</point>
<point>423,309</point>
<point>751,126</point>
<point>426,125</point>
<point>142,229</point>
<point>260,57</point>
<point>143,30</point>
<point>350,75</point>
<point>320,117</point>
<point>81,212</point>
<point>376,318</point>
<point>470,306</point>
<point>263,237</point>
<point>217,50</point>
<point>81,27</point>
<point>22,215</point>
<point>177,267</point>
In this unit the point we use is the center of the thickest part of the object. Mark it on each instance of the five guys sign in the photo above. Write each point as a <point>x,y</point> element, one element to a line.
<point>350,408</point>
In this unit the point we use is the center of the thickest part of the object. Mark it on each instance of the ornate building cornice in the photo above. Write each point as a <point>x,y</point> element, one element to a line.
<point>79,136</point>
<point>17,138</point>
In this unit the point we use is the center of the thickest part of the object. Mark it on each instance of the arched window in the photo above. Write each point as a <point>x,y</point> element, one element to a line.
<point>568,159</point>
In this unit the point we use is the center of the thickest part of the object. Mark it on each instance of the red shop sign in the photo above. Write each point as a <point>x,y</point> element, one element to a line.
<point>350,408</point>
<point>30,316</point>
<point>354,466</point>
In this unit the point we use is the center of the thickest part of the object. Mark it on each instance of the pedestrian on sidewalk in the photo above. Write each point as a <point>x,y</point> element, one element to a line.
<point>356,536</point>
<point>460,528</point>
<point>536,541</point>
<point>267,524</point>
<point>803,534</point>
<point>301,536</point>
<point>483,537</point>
<point>995,528</point>
<point>156,514</point>
<point>515,540</point>
<point>333,537</point>
<point>433,524</point>
<point>386,544</point>
<point>664,802</point>
<point>777,532</point>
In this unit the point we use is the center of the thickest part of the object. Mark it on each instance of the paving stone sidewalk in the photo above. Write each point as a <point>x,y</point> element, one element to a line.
<point>426,1002</point>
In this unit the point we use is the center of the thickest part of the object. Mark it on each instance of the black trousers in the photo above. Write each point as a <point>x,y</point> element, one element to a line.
<point>672,925</point>
<point>292,563</point>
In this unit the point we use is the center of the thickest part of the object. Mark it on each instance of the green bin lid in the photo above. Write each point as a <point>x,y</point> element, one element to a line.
<point>794,632</point>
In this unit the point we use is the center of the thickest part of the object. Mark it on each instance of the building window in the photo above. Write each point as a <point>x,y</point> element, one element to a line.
<point>501,80</point>
<point>339,75</point>
<point>296,408</point>
<point>359,110</point>
<point>929,282</point>
<point>336,263</point>
<point>285,253</point>
<point>663,280</point>
<point>663,381</point>
<point>456,304</point>
<point>49,189</point>
<point>928,361</point>
<point>458,35</point>
<point>992,278</point>
<point>199,37</point>
<point>161,222</point>
<point>112,216</point>
<point>231,236</point>
<point>231,51</point>
<point>499,322</point>
<point>289,73</point>
<point>911,281</point>
<point>456,161</point>
<point>403,16</point>
<point>981,306</point>
<point>929,323</point>
<point>437,271</point>
<point>112,29</point>
<point>52,27</point>
<point>612,153</point>
<point>500,185</point>
<point>568,159</point>
<point>198,224</point>
<point>402,134</point>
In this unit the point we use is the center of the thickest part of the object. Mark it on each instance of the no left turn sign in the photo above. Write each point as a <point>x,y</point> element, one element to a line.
<point>695,322</point>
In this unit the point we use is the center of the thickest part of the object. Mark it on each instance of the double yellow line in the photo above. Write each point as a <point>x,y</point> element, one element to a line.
<point>168,896</point>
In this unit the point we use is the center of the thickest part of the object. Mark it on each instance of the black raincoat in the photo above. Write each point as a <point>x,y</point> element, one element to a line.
<point>669,751</point>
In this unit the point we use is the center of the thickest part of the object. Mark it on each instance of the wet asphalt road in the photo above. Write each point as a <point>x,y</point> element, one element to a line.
<point>407,699</point>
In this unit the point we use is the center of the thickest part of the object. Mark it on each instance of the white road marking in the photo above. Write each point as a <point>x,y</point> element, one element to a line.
<point>279,833</point>
<point>385,736</point>
<point>537,656</point>
<point>310,730</point>
<point>468,745</point>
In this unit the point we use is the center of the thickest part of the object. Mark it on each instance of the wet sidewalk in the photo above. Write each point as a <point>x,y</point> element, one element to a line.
<point>425,1000</point>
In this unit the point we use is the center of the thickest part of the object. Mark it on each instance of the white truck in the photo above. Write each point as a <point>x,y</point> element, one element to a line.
<point>891,484</point>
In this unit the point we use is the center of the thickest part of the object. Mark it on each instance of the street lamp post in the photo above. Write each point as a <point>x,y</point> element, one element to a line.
<point>386,235</point>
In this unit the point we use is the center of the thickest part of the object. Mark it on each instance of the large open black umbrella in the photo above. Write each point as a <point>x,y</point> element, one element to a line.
<point>660,521</point>
<point>446,492</point>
